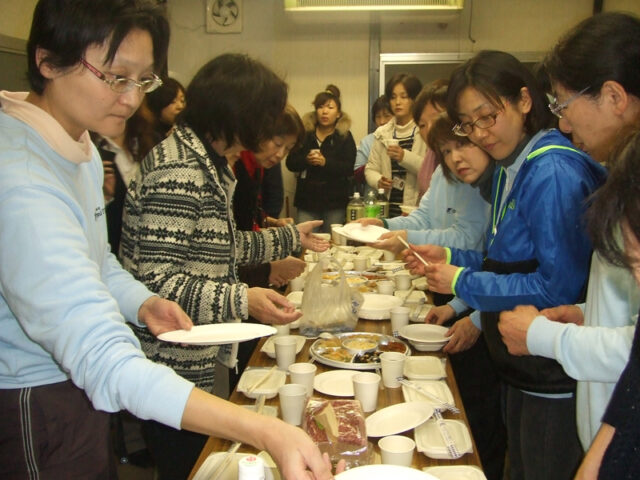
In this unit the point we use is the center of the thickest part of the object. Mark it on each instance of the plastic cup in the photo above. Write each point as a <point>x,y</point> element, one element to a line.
<point>392,364</point>
<point>282,330</point>
<point>293,398</point>
<point>385,287</point>
<point>397,450</point>
<point>365,388</point>
<point>360,263</point>
<point>335,236</point>
<point>285,347</point>
<point>399,318</point>
<point>296,284</point>
<point>403,281</point>
<point>303,374</point>
<point>389,256</point>
<point>392,141</point>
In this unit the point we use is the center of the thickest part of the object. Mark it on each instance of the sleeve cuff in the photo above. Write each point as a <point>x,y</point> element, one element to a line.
<point>455,279</point>
<point>458,305</point>
<point>475,319</point>
<point>541,336</point>
<point>448,252</point>
<point>385,224</point>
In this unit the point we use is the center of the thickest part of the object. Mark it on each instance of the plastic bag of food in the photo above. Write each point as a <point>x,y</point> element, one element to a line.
<point>328,307</point>
<point>338,427</point>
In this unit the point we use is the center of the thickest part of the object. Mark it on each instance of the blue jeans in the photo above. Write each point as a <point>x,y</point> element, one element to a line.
<point>329,217</point>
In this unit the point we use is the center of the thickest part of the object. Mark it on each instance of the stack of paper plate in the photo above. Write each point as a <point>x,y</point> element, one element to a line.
<point>425,337</point>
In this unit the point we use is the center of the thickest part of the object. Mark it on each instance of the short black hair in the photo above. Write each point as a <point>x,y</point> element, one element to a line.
<point>498,74</point>
<point>617,201</point>
<point>434,93</point>
<point>381,103</point>
<point>235,98</point>
<point>410,82</point>
<point>602,47</point>
<point>64,29</point>
<point>164,95</point>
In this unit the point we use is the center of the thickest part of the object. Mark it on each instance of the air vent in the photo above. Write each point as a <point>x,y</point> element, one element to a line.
<point>372,5</point>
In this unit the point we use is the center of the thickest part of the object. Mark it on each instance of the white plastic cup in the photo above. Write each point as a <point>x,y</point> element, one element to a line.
<point>391,141</point>
<point>392,364</point>
<point>397,450</point>
<point>385,287</point>
<point>360,263</point>
<point>285,347</point>
<point>282,330</point>
<point>365,389</point>
<point>399,318</point>
<point>303,374</point>
<point>296,284</point>
<point>403,281</point>
<point>335,236</point>
<point>293,398</point>
<point>251,467</point>
<point>389,256</point>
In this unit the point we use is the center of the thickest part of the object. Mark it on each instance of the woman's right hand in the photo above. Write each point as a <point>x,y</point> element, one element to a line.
<point>385,183</point>
<point>269,307</point>
<point>430,253</point>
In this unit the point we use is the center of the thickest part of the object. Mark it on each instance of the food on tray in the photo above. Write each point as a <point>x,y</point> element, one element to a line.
<point>351,353</point>
<point>338,355</point>
<point>339,423</point>
<point>329,343</point>
<point>360,343</point>
<point>393,347</point>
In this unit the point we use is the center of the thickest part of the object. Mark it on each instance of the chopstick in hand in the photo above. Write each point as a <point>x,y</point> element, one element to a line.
<point>418,256</point>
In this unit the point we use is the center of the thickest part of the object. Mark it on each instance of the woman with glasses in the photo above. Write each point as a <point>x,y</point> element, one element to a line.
<point>537,250</point>
<point>397,152</point>
<point>66,356</point>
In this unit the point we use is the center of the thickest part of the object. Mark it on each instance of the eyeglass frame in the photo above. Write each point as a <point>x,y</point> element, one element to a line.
<point>557,108</point>
<point>457,128</point>
<point>130,83</point>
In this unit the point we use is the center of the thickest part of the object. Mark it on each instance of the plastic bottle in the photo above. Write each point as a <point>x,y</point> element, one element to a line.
<point>371,207</point>
<point>355,208</point>
<point>383,202</point>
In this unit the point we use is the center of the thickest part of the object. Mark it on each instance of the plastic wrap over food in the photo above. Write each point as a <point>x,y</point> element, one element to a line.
<point>338,427</point>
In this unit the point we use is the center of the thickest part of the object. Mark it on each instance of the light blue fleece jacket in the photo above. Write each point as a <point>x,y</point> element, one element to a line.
<point>594,354</point>
<point>63,296</point>
<point>451,214</point>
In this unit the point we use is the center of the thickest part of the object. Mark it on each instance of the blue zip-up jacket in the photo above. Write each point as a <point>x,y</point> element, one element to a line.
<point>542,220</point>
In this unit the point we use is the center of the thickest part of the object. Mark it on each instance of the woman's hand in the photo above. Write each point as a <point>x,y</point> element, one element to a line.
<point>269,307</point>
<point>308,239</point>
<point>389,241</point>
<point>316,159</point>
<point>440,315</point>
<point>385,183</point>
<point>109,183</point>
<point>430,253</point>
<point>395,152</point>
<point>590,466</point>
<point>440,277</point>
<point>368,221</point>
<point>464,335</point>
<point>564,314</point>
<point>161,315</point>
<point>284,270</point>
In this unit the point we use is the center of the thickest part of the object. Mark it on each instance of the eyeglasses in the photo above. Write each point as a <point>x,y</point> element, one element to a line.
<point>486,121</point>
<point>557,108</point>
<point>122,84</point>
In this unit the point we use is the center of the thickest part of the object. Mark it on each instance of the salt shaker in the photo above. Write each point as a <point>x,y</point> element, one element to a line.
<point>251,468</point>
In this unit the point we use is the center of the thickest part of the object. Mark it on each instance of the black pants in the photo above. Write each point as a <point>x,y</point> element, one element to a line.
<point>173,451</point>
<point>53,432</point>
<point>542,436</point>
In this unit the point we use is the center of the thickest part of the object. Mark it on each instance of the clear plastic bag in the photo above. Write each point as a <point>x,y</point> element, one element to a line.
<point>328,307</point>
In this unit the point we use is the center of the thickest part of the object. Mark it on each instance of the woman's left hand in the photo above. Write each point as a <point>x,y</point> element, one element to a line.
<point>308,239</point>
<point>464,335</point>
<point>395,152</point>
<point>389,241</point>
<point>440,276</point>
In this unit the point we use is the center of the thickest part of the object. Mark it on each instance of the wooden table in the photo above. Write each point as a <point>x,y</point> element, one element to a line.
<point>386,397</point>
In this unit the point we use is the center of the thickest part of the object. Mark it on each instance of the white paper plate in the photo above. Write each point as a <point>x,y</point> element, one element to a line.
<point>456,472</point>
<point>336,383</point>
<point>398,418</point>
<point>430,442</point>
<point>269,348</point>
<point>377,306</point>
<point>425,333</point>
<point>218,333</point>
<point>269,389</point>
<point>360,233</point>
<point>424,368</point>
<point>384,472</point>
<point>438,388</point>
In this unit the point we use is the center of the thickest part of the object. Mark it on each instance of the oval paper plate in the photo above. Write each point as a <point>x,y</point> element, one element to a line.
<point>337,383</point>
<point>364,234</point>
<point>218,333</point>
<point>424,333</point>
<point>398,418</point>
<point>383,472</point>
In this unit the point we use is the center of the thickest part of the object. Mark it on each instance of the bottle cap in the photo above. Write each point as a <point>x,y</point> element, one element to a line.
<point>251,468</point>
<point>356,195</point>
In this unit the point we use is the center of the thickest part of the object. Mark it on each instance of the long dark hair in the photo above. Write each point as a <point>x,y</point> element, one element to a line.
<point>617,201</point>
<point>163,96</point>
<point>602,47</point>
<point>498,74</point>
<point>64,29</point>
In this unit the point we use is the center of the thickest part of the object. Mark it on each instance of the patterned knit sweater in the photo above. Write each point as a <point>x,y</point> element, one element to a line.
<point>179,238</point>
